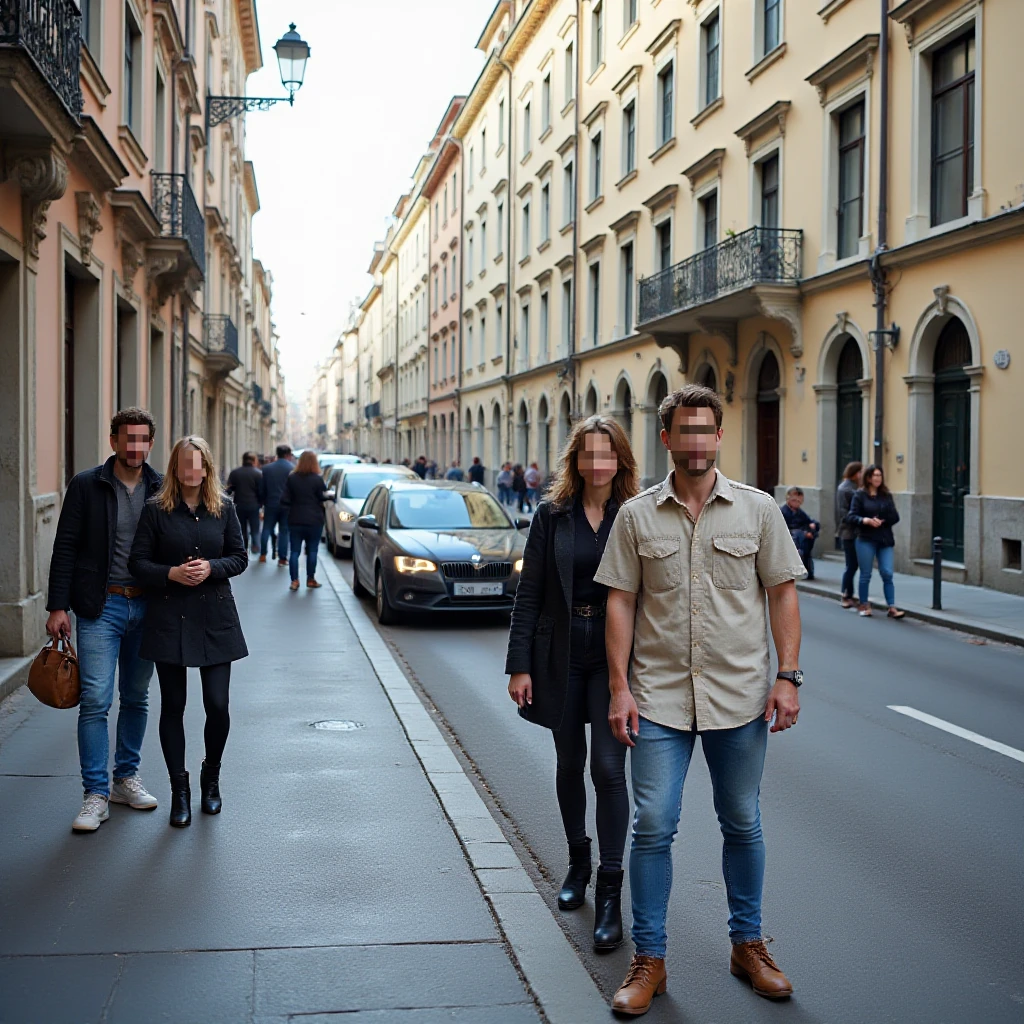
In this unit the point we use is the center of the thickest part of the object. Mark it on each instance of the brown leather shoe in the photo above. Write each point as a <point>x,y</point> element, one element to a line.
<point>645,980</point>
<point>751,960</point>
<point>312,584</point>
<point>263,559</point>
<point>283,561</point>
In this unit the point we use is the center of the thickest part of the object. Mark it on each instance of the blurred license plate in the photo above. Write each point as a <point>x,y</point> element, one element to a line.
<point>479,589</point>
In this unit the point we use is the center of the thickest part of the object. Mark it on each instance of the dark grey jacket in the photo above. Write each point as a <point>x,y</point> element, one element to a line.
<point>844,495</point>
<point>303,497</point>
<point>189,625</point>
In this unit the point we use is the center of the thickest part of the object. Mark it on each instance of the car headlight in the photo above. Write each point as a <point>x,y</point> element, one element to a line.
<point>518,567</point>
<point>345,517</point>
<point>403,563</point>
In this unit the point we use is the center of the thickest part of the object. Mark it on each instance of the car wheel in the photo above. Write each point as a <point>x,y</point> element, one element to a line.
<point>385,613</point>
<point>357,588</point>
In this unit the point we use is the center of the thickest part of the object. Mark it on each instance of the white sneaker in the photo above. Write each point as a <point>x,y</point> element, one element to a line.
<point>93,813</point>
<point>132,792</point>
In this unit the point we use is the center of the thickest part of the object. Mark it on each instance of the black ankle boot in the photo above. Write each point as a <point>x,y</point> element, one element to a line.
<point>574,888</point>
<point>181,801</point>
<point>608,911</point>
<point>209,787</point>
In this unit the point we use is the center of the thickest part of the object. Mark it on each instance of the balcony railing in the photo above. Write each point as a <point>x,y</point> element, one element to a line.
<point>755,256</point>
<point>220,334</point>
<point>50,32</point>
<point>371,411</point>
<point>178,212</point>
<point>257,393</point>
<point>266,409</point>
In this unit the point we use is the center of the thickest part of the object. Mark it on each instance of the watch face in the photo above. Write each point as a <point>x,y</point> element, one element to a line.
<point>798,677</point>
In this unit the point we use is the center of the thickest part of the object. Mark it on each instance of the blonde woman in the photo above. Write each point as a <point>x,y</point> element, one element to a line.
<point>188,545</point>
<point>557,662</point>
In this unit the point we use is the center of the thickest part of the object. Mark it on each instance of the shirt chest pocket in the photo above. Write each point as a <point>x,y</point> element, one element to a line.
<point>659,559</point>
<point>733,562</point>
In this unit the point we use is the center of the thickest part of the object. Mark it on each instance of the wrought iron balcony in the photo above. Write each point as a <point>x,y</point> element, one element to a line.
<point>266,409</point>
<point>220,338</point>
<point>757,256</point>
<point>178,212</point>
<point>49,32</point>
<point>371,411</point>
<point>257,393</point>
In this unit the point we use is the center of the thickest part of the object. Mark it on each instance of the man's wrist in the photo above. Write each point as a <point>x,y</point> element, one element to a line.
<point>618,685</point>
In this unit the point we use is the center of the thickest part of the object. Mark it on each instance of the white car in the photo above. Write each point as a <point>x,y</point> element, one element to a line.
<point>351,484</point>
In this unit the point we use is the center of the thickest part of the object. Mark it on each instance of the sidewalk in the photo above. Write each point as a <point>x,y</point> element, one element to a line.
<point>977,610</point>
<point>333,882</point>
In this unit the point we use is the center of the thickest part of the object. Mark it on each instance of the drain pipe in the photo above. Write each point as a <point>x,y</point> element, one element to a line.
<point>878,278</point>
<point>510,238</point>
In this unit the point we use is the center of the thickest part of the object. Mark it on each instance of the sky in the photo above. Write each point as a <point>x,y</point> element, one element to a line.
<point>330,169</point>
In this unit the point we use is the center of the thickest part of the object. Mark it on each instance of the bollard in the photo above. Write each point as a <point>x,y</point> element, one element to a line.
<point>937,573</point>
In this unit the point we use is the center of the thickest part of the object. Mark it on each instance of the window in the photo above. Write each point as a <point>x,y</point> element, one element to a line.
<point>472,161</point>
<point>483,150</point>
<point>92,19</point>
<point>628,14</point>
<point>711,49</point>
<point>545,212</point>
<point>499,317</point>
<point>666,108</point>
<point>568,194</point>
<point>437,218</point>
<point>545,303</point>
<point>527,134</point>
<point>469,344</point>
<point>952,129</point>
<point>160,125</point>
<point>597,36</point>
<point>663,240</point>
<point>444,359</point>
<point>501,123</point>
<point>469,256</point>
<point>444,289</point>
<point>629,138</point>
<point>628,287</point>
<point>595,166</point>
<point>436,302</point>
<point>525,246</point>
<point>455,273</point>
<point>570,74</point>
<point>771,11</point>
<point>483,338</point>
<point>455,191</point>
<point>770,192</point>
<point>501,229</point>
<point>446,204</point>
<point>709,214</point>
<point>524,334</point>
<point>483,244</point>
<point>545,103</point>
<point>850,213</point>
<point>132,74</point>
<point>437,375</point>
<point>567,324</point>
<point>594,325</point>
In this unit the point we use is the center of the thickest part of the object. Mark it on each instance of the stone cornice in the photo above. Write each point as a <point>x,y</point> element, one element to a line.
<point>861,52</point>
<point>774,116</point>
<point>663,197</point>
<point>528,25</point>
<point>251,194</point>
<point>168,31</point>
<point>97,158</point>
<point>631,76</point>
<point>131,148</point>
<point>699,169</point>
<point>909,12</point>
<point>664,38</point>
<point>478,95</point>
<point>250,27</point>
<point>595,114</point>
<point>626,223</point>
<point>593,245</point>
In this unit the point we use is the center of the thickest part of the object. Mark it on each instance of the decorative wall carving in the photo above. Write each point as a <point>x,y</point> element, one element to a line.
<point>88,223</point>
<point>42,177</point>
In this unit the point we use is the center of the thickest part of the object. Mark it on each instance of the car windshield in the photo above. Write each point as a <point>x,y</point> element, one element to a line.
<point>359,485</point>
<point>435,509</point>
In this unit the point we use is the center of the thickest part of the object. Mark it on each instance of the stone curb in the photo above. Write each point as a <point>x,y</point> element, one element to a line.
<point>935,618</point>
<point>553,972</point>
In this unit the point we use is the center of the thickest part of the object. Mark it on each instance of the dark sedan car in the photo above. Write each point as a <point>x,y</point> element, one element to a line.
<point>436,546</point>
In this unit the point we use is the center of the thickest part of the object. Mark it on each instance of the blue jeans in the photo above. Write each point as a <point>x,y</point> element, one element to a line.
<point>659,762</point>
<point>311,535</point>
<point>504,494</point>
<point>111,641</point>
<point>867,552</point>
<point>850,551</point>
<point>249,518</point>
<point>274,515</point>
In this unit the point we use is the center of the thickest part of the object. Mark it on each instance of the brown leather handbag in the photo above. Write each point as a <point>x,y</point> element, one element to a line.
<point>53,677</point>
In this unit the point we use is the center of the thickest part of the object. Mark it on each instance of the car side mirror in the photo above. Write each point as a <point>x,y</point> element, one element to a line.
<point>522,523</point>
<point>368,523</point>
<point>330,495</point>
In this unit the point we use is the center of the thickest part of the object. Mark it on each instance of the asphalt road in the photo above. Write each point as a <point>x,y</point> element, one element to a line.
<point>895,882</point>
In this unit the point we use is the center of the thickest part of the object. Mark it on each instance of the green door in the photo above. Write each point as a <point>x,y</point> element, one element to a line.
<point>850,405</point>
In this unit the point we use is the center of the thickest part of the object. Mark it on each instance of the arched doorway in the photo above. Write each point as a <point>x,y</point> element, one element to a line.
<point>657,454</point>
<point>590,402</point>
<point>564,419</point>
<point>543,432</point>
<point>624,407</point>
<point>523,435</point>
<point>951,470</point>
<point>849,406</point>
<point>469,449</point>
<point>768,382</point>
<point>481,433</point>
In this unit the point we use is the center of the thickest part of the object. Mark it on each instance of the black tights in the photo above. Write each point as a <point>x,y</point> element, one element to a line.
<point>172,712</point>
<point>587,698</point>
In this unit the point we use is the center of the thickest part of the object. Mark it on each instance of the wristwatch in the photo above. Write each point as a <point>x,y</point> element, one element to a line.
<point>796,677</point>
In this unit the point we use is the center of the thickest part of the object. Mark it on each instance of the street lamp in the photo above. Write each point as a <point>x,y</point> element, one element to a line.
<point>292,53</point>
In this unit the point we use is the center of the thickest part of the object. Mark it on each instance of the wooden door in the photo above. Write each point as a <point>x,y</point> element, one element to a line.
<point>951,468</point>
<point>768,381</point>
<point>849,411</point>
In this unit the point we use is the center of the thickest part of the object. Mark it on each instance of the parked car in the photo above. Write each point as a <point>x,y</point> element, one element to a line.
<point>329,459</point>
<point>351,484</point>
<point>436,546</point>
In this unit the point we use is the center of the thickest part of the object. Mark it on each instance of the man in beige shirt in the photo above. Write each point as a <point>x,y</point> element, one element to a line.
<point>689,563</point>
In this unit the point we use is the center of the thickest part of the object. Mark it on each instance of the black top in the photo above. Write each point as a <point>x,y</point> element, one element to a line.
<point>865,506</point>
<point>274,477</point>
<point>844,496</point>
<point>303,497</point>
<point>476,472</point>
<point>588,548</point>
<point>245,485</point>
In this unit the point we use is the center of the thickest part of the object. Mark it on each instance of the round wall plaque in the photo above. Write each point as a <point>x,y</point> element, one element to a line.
<point>1002,359</point>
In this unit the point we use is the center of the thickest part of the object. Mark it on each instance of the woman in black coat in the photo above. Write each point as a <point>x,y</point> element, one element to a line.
<point>187,547</point>
<point>303,498</point>
<point>873,514</point>
<point>556,657</point>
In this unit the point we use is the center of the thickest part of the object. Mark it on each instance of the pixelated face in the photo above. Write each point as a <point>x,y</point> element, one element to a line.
<point>132,444</point>
<point>596,460</point>
<point>190,468</point>
<point>693,441</point>
<point>794,501</point>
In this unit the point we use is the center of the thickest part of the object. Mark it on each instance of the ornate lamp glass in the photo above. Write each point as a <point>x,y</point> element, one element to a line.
<point>292,53</point>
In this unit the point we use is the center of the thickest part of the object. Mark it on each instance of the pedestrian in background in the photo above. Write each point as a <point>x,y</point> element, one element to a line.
<point>303,499</point>
<point>873,513</point>
<point>89,573</point>
<point>476,471</point>
<point>557,662</point>
<point>532,476</point>
<point>188,545</point>
<point>846,532</point>
<point>454,472</point>
<point>518,486</point>
<point>419,467</point>
<point>504,484</point>
<point>245,485</point>
<point>431,470</point>
<point>802,528</point>
<point>274,477</point>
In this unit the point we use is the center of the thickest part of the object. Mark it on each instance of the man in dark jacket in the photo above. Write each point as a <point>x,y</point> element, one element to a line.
<point>89,575</point>
<point>802,528</point>
<point>274,477</point>
<point>245,485</point>
<point>419,467</point>
<point>476,471</point>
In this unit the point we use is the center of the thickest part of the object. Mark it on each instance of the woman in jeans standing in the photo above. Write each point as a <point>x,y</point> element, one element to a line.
<point>187,546</point>
<point>845,532</point>
<point>873,513</point>
<point>556,657</point>
<point>303,497</point>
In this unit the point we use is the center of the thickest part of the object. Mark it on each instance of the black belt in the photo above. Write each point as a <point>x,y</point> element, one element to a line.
<point>588,611</point>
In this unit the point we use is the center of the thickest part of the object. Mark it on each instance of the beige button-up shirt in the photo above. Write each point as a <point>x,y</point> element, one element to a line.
<point>701,637</point>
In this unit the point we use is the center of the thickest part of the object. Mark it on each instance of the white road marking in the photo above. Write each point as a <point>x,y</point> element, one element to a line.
<point>964,734</point>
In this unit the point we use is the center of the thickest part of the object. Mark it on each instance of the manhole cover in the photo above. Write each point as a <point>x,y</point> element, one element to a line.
<point>336,725</point>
